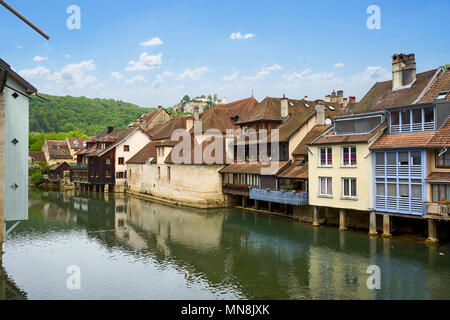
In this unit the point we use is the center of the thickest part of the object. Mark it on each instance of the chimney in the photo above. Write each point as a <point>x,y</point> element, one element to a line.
<point>328,98</point>
<point>110,129</point>
<point>340,93</point>
<point>345,103</point>
<point>351,99</point>
<point>305,98</point>
<point>320,114</point>
<point>333,94</point>
<point>189,122</point>
<point>403,70</point>
<point>196,115</point>
<point>284,111</point>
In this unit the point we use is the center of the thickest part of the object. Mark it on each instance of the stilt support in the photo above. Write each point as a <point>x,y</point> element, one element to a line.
<point>315,216</point>
<point>373,224</point>
<point>270,206</point>
<point>257,204</point>
<point>342,221</point>
<point>386,226</point>
<point>244,201</point>
<point>432,232</point>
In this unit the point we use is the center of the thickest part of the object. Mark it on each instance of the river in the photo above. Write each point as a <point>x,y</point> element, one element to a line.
<point>128,248</point>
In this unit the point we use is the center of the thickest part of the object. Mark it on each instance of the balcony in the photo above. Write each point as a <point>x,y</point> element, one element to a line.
<point>437,209</point>
<point>286,197</point>
<point>80,179</point>
<point>235,189</point>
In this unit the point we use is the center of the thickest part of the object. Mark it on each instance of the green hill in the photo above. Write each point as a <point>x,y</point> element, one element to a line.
<point>90,116</point>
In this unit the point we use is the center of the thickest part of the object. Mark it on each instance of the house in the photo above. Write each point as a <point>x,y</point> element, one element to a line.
<point>152,119</point>
<point>15,94</point>
<point>374,161</point>
<point>262,183</point>
<point>36,156</point>
<point>75,145</point>
<point>57,151</point>
<point>156,171</point>
<point>57,172</point>
<point>101,165</point>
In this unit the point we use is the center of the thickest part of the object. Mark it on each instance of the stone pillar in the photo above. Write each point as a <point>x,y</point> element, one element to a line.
<point>342,222</point>
<point>432,232</point>
<point>386,226</point>
<point>106,188</point>
<point>257,204</point>
<point>315,216</point>
<point>270,206</point>
<point>244,201</point>
<point>373,224</point>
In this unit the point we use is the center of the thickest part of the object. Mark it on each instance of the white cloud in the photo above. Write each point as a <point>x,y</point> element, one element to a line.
<point>193,74</point>
<point>136,79</point>
<point>146,62</point>
<point>67,56</point>
<point>308,76</point>
<point>157,82</point>
<point>39,58</point>
<point>231,77</point>
<point>339,65</point>
<point>75,75</point>
<point>168,74</point>
<point>38,72</point>
<point>238,35</point>
<point>264,71</point>
<point>373,73</point>
<point>156,41</point>
<point>116,76</point>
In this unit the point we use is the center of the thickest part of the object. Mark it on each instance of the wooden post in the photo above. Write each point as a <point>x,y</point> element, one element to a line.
<point>270,206</point>
<point>386,226</point>
<point>315,216</point>
<point>373,224</point>
<point>432,233</point>
<point>257,204</point>
<point>244,201</point>
<point>342,222</point>
<point>106,188</point>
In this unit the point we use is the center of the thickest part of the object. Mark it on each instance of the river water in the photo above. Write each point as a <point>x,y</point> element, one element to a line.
<point>128,248</point>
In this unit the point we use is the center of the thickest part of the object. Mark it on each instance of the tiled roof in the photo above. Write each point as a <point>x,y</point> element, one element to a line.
<point>292,124</point>
<point>296,170</point>
<point>441,84</point>
<point>56,166</point>
<point>403,140</point>
<point>211,151</point>
<point>255,168</point>
<point>37,156</point>
<point>164,130</point>
<point>147,152</point>
<point>441,138</point>
<point>438,177</point>
<point>381,96</point>
<point>349,138</point>
<point>221,117</point>
<point>315,132</point>
<point>58,149</point>
<point>76,143</point>
<point>269,109</point>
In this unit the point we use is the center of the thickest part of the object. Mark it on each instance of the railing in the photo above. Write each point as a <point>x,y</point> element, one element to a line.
<point>399,204</point>
<point>414,127</point>
<point>438,209</point>
<point>80,179</point>
<point>286,197</point>
<point>401,171</point>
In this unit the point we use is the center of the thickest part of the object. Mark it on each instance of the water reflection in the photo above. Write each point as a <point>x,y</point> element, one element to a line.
<point>130,248</point>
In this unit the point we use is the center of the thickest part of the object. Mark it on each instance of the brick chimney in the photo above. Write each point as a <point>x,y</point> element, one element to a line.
<point>320,114</point>
<point>284,111</point>
<point>403,70</point>
<point>351,99</point>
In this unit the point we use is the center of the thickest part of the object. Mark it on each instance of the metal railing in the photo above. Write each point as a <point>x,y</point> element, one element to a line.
<point>277,196</point>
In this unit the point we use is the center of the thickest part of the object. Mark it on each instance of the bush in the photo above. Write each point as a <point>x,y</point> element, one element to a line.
<point>37,178</point>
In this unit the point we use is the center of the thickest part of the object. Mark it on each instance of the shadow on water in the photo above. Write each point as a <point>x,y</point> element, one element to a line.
<point>222,253</point>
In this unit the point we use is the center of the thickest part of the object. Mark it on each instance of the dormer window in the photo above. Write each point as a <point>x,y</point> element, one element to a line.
<point>412,120</point>
<point>442,95</point>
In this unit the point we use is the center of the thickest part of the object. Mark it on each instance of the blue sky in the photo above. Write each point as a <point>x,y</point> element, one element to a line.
<point>294,47</point>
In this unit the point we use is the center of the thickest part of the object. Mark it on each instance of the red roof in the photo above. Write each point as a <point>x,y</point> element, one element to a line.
<point>440,85</point>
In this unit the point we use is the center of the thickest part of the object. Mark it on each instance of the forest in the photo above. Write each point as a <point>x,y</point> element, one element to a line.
<point>81,114</point>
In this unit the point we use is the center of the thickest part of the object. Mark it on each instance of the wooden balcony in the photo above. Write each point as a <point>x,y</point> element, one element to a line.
<point>235,189</point>
<point>277,196</point>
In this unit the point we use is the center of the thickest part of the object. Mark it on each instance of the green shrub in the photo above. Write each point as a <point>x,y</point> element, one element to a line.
<point>37,178</point>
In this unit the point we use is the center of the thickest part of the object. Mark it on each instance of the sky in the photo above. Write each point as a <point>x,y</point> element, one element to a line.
<point>154,52</point>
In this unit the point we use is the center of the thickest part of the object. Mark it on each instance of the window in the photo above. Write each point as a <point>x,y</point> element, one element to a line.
<point>121,161</point>
<point>429,114</point>
<point>443,161</point>
<point>381,190</point>
<point>380,158</point>
<point>130,173</point>
<point>325,157</point>
<point>403,158</point>
<point>108,161</point>
<point>126,148</point>
<point>416,158</point>
<point>108,174</point>
<point>442,95</point>
<point>325,186</point>
<point>349,187</point>
<point>168,173</point>
<point>349,156</point>
<point>119,175</point>
<point>103,146</point>
<point>395,119</point>
<point>440,192</point>
<point>406,117</point>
